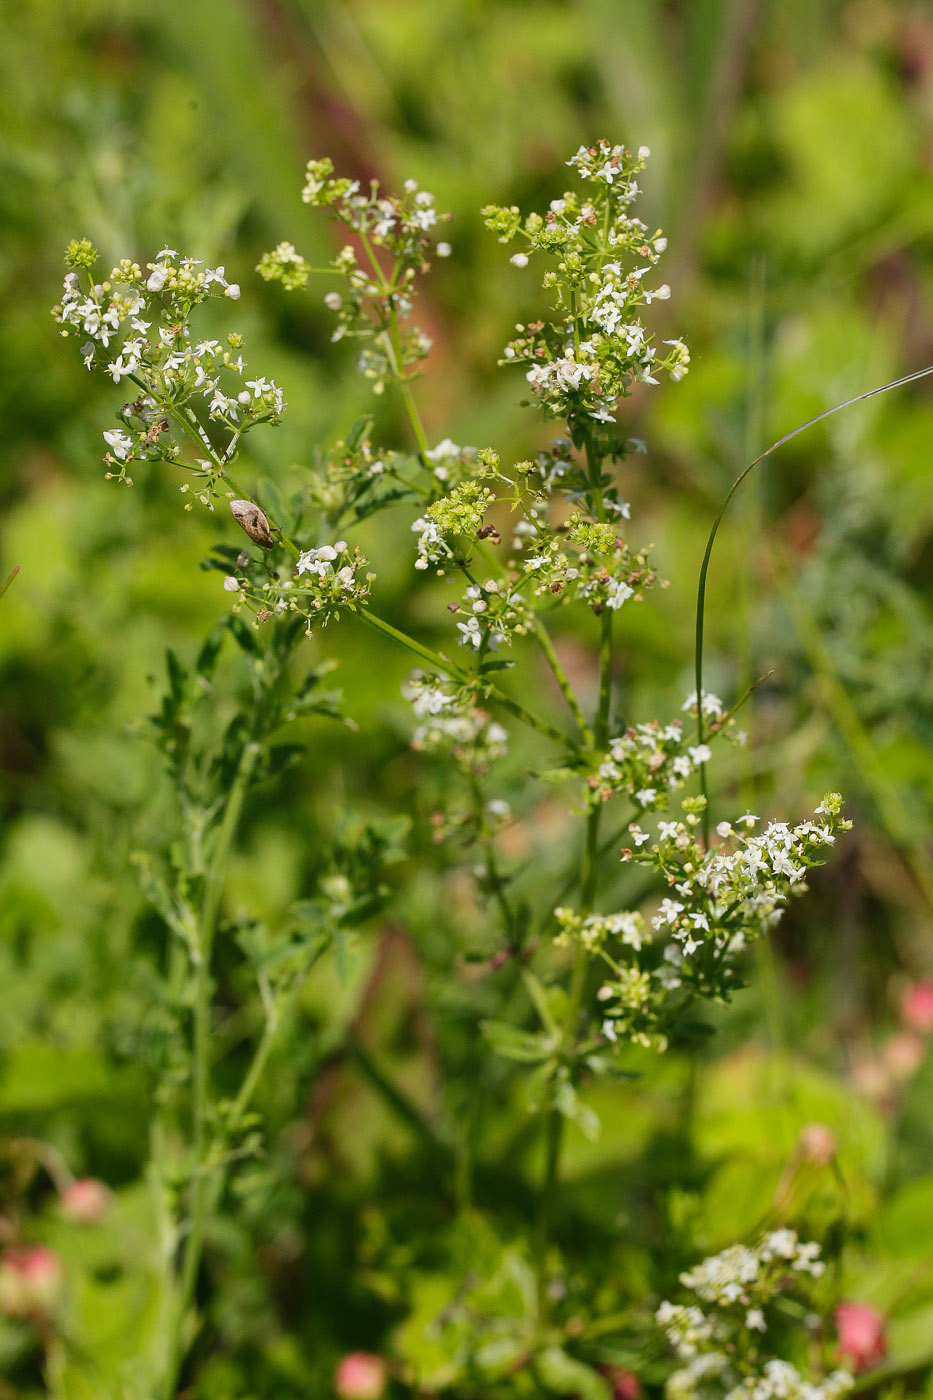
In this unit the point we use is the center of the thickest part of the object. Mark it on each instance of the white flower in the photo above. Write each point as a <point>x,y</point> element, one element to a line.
<point>444,250</point>
<point>618,593</point>
<point>231,584</point>
<point>120,444</point>
<point>120,370</point>
<point>519,259</point>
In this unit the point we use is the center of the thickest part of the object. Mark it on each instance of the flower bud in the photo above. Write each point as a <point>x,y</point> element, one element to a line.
<point>862,1336</point>
<point>917,1007</point>
<point>817,1143</point>
<point>30,1281</point>
<point>85,1201</point>
<point>253,520</point>
<point>360,1376</point>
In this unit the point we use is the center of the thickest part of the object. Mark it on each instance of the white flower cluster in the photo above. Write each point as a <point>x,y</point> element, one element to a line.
<point>372,303</point>
<point>594,931</point>
<point>458,514</point>
<point>738,1286</point>
<point>333,579</point>
<point>327,579</point>
<point>647,763</point>
<point>432,547</point>
<point>495,613</point>
<point>138,329</point>
<point>738,1274</point>
<point>735,892</point>
<point>452,722</point>
<point>571,567</point>
<point>579,367</point>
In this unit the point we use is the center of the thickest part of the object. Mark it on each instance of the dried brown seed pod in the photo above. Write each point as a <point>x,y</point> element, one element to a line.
<point>253,520</point>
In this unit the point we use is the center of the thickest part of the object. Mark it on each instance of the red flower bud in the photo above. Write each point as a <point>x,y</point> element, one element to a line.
<point>360,1376</point>
<point>30,1281</point>
<point>86,1201</point>
<point>862,1338</point>
<point>917,1008</point>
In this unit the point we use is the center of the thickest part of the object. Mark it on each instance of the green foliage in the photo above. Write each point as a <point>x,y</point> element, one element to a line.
<point>388,1203</point>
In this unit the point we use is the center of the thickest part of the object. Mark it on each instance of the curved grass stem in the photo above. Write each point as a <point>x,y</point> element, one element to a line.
<point>704,567</point>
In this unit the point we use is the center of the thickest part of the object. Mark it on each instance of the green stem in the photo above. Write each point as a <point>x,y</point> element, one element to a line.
<point>495,878</point>
<point>434,658</point>
<point>560,675</point>
<point>704,567</point>
<point>589,874</point>
<point>396,354</point>
<point>408,398</point>
<point>451,669</point>
<point>605,679</point>
<point>553,1141</point>
<point>201,1054</point>
<point>9,580</point>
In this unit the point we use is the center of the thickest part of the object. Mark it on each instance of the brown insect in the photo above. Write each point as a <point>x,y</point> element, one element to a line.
<point>250,518</point>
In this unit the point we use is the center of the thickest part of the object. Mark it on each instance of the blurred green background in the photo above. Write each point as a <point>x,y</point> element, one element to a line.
<point>792,149</point>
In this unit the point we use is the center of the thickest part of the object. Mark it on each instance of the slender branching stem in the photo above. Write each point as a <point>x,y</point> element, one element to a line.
<point>201,1054</point>
<point>589,873</point>
<point>560,675</point>
<point>704,567</point>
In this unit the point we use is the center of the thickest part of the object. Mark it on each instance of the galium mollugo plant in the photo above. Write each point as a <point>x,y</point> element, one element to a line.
<point>524,542</point>
<point>742,1299</point>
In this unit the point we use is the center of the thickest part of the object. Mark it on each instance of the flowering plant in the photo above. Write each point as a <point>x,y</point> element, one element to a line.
<point>604,978</point>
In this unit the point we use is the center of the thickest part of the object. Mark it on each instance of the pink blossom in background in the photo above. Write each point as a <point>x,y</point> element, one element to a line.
<point>862,1337</point>
<point>625,1386</point>
<point>817,1143</point>
<point>917,1007</point>
<point>86,1201</point>
<point>360,1376</point>
<point>31,1280</point>
<point>903,1054</point>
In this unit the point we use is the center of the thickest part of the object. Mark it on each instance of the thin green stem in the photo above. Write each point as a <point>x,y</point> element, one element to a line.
<point>393,336</point>
<point>560,675</point>
<point>605,679</point>
<point>704,567</point>
<point>494,876</point>
<point>433,658</point>
<point>201,1052</point>
<point>8,580</point>
<point>451,669</point>
<point>589,875</point>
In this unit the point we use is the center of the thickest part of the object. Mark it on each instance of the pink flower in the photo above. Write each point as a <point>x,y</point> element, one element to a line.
<point>862,1338</point>
<point>917,1007</point>
<point>360,1376</point>
<point>86,1201</point>
<point>625,1386</point>
<point>817,1143</point>
<point>30,1281</point>
<point>903,1054</point>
